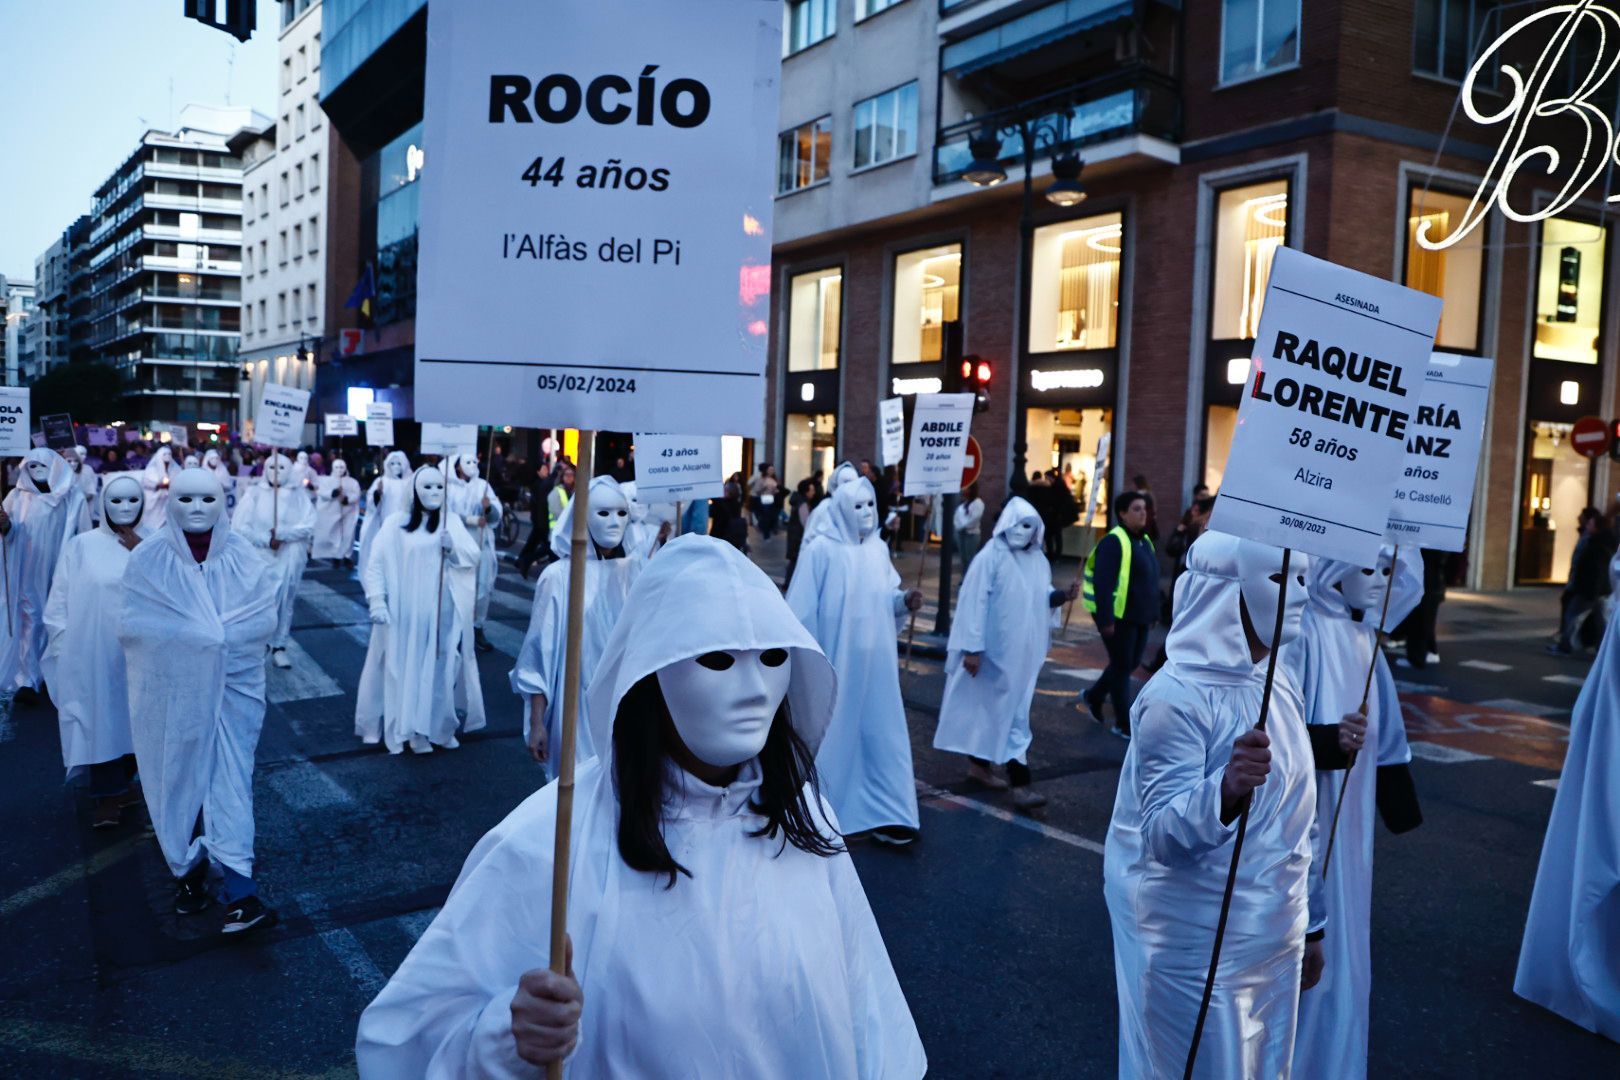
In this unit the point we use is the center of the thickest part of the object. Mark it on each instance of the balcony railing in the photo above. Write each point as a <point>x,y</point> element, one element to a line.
<point>1138,101</point>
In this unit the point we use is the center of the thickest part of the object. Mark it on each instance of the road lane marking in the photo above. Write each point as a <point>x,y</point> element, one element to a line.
<point>1403,687</point>
<point>1550,782</point>
<point>932,794</point>
<point>1486,665</point>
<point>347,613</point>
<point>62,880</point>
<point>506,639</point>
<point>307,787</point>
<point>1564,680</point>
<point>345,948</point>
<point>304,681</point>
<point>416,922</point>
<point>1445,755</point>
<point>1088,674</point>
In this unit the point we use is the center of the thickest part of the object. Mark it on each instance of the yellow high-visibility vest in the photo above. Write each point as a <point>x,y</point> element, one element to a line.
<point>1088,595</point>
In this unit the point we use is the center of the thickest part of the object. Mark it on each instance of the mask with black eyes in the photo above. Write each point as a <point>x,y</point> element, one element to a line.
<point>1260,576</point>
<point>196,500</point>
<point>1364,589</point>
<point>723,702</point>
<point>608,517</point>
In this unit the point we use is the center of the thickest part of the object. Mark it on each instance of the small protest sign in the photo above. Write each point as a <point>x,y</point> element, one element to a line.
<point>380,423</point>
<point>341,425</point>
<point>892,426</point>
<point>939,438</point>
<point>279,419</point>
<point>1435,491</point>
<point>678,468</point>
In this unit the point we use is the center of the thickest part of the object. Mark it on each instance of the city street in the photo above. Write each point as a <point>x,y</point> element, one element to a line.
<point>995,922</point>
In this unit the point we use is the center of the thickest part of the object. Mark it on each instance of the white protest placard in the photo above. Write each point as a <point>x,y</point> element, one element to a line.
<point>892,428</point>
<point>16,425</point>
<point>1336,378</point>
<point>938,451</point>
<point>341,424</point>
<point>572,181</point>
<point>446,439</point>
<point>1435,491</point>
<point>279,420</point>
<point>678,468</point>
<point>379,423</point>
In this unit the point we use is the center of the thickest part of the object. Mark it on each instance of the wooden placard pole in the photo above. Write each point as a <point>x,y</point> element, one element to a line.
<point>579,537</point>
<point>922,559</point>
<point>5,558</point>
<point>275,493</point>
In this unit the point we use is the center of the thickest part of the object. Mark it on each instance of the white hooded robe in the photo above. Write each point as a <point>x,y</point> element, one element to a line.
<point>293,521</point>
<point>155,480</point>
<point>764,964</point>
<point>335,522</point>
<point>846,592</point>
<point>466,499</point>
<point>389,494</point>
<point>41,525</point>
<point>1004,613</point>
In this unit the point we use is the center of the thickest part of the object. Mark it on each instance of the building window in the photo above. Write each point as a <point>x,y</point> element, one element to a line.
<point>285,189</point>
<point>1251,224</point>
<point>927,295</point>
<point>281,309</point>
<point>1444,33</point>
<point>1074,285</point>
<point>283,247</point>
<point>303,62</point>
<point>264,196</point>
<point>264,319</point>
<point>807,22</point>
<point>1569,291</point>
<point>314,234</point>
<point>392,173</point>
<point>311,305</point>
<point>886,126</point>
<point>314,172</point>
<point>815,308</point>
<point>247,262</point>
<point>298,241</point>
<point>1258,36</point>
<point>286,130</point>
<point>298,180</point>
<point>247,319</point>
<point>802,155</point>
<point>298,122</point>
<point>865,9</point>
<point>297,306</point>
<point>1455,274</point>
<point>286,75</point>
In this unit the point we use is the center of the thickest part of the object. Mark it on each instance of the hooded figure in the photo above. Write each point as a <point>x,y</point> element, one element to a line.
<point>337,512</point>
<point>199,608</point>
<point>820,521</point>
<point>1169,844</point>
<point>645,534</point>
<point>727,937</point>
<point>214,463</point>
<point>83,662</point>
<point>475,502</point>
<point>88,483</point>
<point>999,639</point>
<point>155,479</point>
<point>609,573</point>
<point>281,523</point>
<point>303,475</point>
<point>1329,662</point>
<point>390,494</point>
<point>1570,959</point>
<point>415,664</point>
<point>846,592</point>
<point>42,513</point>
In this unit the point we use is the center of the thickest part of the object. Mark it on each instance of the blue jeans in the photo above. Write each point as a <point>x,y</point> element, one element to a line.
<point>234,886</point>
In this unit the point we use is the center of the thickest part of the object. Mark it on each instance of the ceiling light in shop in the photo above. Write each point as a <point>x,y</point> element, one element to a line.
<point>1267,205</point>
<point>807,392</point>
<point>1237,370</point>
<point>1569,392</point>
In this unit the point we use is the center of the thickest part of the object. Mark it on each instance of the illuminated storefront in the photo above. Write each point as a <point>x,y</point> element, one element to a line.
<point>813,342</point>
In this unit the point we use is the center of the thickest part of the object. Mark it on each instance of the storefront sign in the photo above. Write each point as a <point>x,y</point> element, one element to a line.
<point>1070,379</point>
<point>58,431</point>
<point>380,423</point>
<point>595,230</point>
<point>279,419</point>
<point>1436,487</point>
<point>339,424</point>
<point>1588,438</point>
<point>939,438</point>
<point>1337,378</point>
<point>447,439</point>
<point>892,424</point>
<point>926,384</point>
<point>15,424</point>
<point>678,468</point>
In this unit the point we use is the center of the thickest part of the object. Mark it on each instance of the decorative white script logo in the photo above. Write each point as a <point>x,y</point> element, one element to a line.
<point>1528,102</point>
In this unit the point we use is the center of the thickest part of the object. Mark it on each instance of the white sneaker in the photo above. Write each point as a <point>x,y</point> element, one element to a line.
<point>279,658</point>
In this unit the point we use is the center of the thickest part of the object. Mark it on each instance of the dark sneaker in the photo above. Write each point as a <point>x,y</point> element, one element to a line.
<point>894,835</point>
<point>107,812</point>
<point>191,895</point>
<point>1026,798</point>
<point>481,643</point>
<point>1093,705</point>
<point>245,914</point>
<point>1120,732</point>
<point>27,695</point>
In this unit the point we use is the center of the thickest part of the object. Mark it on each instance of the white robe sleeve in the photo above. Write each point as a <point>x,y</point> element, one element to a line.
<point>253,526</point>
<point>1181,796</point>
<point>56,608</point>
<point>297,525</point>
<point>374,580</point>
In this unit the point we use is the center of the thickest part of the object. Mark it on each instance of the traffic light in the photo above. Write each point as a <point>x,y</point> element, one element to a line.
<point>977,373</point>
<point>239,16</point>
<point>1614,440</point>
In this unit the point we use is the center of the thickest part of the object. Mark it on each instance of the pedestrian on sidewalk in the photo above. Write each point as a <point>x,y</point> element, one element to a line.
<point>800,505</point>
<point>997,646</point>
<point>765,489</point>
<point>1588,579</point>
<point>968,521</point>
<point>199,609</point>
<point>1122,593</point>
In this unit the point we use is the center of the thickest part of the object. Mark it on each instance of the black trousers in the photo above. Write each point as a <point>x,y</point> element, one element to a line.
<point>1017,771</point>
<point>539,541</point>
<point>1125,648</point>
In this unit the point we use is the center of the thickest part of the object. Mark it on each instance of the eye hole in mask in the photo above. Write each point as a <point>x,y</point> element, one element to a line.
<point>717,661</point>
<point>773,657</point>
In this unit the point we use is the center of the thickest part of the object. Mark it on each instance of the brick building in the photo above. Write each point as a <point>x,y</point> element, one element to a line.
<point>1119,327</point>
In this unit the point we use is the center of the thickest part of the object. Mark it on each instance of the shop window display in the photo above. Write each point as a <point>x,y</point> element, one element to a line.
<point>927,294</point>
<point>1569,291</point>
<point>815,307</point>
<point>1455,273</point>
<point>1074,285</point>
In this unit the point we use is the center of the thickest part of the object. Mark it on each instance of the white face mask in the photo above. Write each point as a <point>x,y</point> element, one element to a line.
<point>39,471</point>
<point>723,703</point>
<point>468,468</point>
<point>75,461</point>
<point>1257,565</point>
<point>610,513</point>
<point>125,500</point>
<point>196,501</point>
<point>430,488</point>
<point>1364,590</point>
<point>193,462</point>
<point>340,468</point>
<point>395,468</point>
<point>1021,534</point>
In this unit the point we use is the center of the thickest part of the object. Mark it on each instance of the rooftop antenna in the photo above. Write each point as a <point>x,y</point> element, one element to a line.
<point>171,102</point>
<point>230,71</point>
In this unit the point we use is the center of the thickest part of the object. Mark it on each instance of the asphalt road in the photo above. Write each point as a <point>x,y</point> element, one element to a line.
<point>995,922</point>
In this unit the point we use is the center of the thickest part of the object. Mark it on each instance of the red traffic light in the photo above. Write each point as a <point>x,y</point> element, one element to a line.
<point>984,373</point>
<point>967,370</point>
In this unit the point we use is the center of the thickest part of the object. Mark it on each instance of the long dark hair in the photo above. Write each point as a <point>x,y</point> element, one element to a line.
<point>643,732</point>
<point>418,512</point>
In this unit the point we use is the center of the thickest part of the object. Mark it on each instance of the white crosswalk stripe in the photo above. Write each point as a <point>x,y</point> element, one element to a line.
<point>1528,708</point>
<point>416,923</point>
<point>1445,755</point>
<point>1486,665</point>
<point>346,948</point>
<point>347,613</point>
<point>304,681</point>
<point>1564,680</point>
<point>1550,782</point>
<point>305,786</point>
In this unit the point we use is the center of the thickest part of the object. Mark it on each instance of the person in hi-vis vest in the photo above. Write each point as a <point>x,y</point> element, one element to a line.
<point>1121,590</point>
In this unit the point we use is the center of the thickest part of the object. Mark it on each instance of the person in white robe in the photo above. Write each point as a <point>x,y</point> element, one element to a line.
<point>1569,961</point>
<point>303,475</point>
<point>83,662</point>
<point>998,643</point>
<point>275,517</point>
<point>37,519</point>
<point>414,661</point>
<point>647,532</point>
<point>159,473</point>
<point>1329,663</point>
<point>727,936</point>
<point>337,515</point>
<point>537,677</point>
<point>820,521</point>
<point>1195,760</point>
<point>389,494</point>
<point>846,592</point>
<point>199,608</point>
<point>475,502</point>
<point>89,484</point>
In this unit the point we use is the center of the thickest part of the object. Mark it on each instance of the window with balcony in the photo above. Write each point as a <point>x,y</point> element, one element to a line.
<point>815,308</point>
<point>1258,36</point>
<point>865,9</point>
<point>807,22</point>
<point>803,155</point>
<point>886,127</point>
<point>1251,224</point>
<point>927,294</point>
<point>1456,274</point>
<point>1074,285</point>
<point>1444,33</point>
<point>1569,290</point>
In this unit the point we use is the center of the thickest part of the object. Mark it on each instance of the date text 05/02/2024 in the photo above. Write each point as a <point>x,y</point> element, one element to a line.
<point>584,383</point>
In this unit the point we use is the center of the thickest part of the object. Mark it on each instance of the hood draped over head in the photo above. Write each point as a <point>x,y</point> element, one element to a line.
<point>1405,583</point>
<point>59,479</point>
<point>562,534</point>
<point>843,522</point>
<point>1015,511</point>
<point>281,476</point>
<point>397,465</point>
<point>702,595</point>
<point>1206,640</point>
<point>172,533</point>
